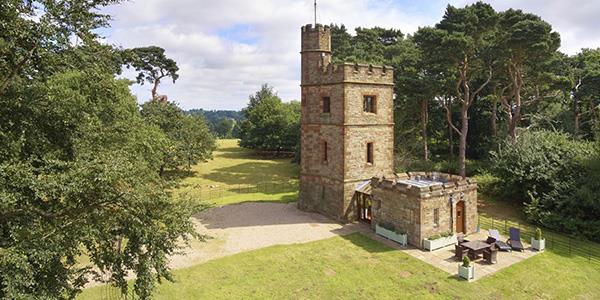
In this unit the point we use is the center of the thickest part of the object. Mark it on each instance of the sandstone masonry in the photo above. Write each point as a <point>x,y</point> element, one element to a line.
<point>347,142</point>
<point>335,139</point>
<point>425,204</point>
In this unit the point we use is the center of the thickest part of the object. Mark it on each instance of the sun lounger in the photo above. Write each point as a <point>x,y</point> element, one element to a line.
<point>515,239</point>
<point>502,246</point>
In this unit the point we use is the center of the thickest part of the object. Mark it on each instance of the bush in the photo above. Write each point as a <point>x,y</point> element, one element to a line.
<point>540,164</point>
<point>555,178</point>
<point>466,262</point>
<point>487,183</point>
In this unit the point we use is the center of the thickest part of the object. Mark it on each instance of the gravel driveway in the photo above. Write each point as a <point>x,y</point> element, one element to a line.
<point>247,226</point>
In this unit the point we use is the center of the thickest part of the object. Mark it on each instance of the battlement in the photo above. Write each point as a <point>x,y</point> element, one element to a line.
<point>425,184</point>
<point>349,72</point>
<point>317,28</point>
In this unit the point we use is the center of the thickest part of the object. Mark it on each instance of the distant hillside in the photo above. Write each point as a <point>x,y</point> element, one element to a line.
<point>224,123</point>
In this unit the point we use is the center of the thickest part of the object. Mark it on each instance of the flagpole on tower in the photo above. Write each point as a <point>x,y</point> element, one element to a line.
<point>315,13</point>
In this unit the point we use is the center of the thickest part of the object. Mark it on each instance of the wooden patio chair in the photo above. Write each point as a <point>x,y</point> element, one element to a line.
<point>460,252</point>
<point>491,255</point>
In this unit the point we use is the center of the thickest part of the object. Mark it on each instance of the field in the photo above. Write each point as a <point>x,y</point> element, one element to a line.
<point>237,175</point>
<point>355,266</point>
<point>351,266</point>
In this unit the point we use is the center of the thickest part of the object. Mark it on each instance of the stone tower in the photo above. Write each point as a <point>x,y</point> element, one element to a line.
<point>347,127</point>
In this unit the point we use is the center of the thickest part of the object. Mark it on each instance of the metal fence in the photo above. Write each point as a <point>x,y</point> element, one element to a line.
<point>561,244</point>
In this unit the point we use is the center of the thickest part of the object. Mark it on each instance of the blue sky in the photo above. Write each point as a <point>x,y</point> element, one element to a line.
<point>226,49</point>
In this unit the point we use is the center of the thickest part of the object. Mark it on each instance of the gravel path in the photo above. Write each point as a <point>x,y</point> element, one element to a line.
<point>247,226</point>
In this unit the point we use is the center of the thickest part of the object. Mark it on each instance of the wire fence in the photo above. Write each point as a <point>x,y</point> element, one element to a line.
<point>561,244</point>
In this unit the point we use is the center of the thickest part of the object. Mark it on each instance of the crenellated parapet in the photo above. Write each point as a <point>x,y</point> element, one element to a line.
<point>316,39</point>
<point>352,73</point>
<point>425,184</point>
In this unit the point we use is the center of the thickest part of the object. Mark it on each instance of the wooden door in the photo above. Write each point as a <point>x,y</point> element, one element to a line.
<point>460,217</point>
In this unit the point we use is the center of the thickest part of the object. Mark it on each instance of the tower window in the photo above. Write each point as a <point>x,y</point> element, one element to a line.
<point>370,104</point>
<point>325,154</point>
<point>326,104</point>
<point>370,153</point>
<point>436,217</point>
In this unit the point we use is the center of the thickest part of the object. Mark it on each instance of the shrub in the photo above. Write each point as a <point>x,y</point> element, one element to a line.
<point>555,177</point>
<point>466,262</point>
<point>538,234</point>
<point>440,235</point>
<point>387,225</point>
<point>488,183</point>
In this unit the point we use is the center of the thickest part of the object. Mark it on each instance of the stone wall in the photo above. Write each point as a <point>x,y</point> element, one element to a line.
<point>411,208</point>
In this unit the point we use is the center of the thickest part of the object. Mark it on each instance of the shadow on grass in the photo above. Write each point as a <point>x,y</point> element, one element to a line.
<point>366,243</point>
<point>250,173</point>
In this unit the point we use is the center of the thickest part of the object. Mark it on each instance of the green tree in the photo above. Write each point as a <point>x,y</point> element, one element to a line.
<point>224,127</point>
<point>77,160</point>
<point>584,76</point>
<point>152,64</point>
<point>270,124</point>
<point>458,47</point>
<point>189,138</point>
<point>527,43</point>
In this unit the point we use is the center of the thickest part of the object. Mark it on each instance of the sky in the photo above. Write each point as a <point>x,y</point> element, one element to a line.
<point>226,49</point>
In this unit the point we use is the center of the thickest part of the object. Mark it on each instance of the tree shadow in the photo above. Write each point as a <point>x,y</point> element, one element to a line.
<point>366,243</point>
<point>247,173</point>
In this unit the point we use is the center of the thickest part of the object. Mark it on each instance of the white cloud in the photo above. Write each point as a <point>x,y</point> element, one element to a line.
<point>226,49</point>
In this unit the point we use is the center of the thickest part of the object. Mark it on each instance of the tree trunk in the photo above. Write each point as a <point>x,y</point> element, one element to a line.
<point>451,141</point>
<point>154,88</point>
<point>424,122</point>
<point>462,145</point>
<point>494,118</point>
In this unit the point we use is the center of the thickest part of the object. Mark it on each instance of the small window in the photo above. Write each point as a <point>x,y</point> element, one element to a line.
<point>325,154</point>
<point>370,153</point>
<point>326,104</point>
<point>436,217</point>
<point>369,104</point>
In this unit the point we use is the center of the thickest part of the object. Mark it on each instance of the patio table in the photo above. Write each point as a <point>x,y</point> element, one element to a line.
<point>475,248</point>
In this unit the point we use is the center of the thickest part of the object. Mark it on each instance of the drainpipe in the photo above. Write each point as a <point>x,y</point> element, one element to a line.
<point>452,213</point>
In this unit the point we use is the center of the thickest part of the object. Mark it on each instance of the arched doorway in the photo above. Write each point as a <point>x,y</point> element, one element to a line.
<point>460,217</point>
<point>364,207</point>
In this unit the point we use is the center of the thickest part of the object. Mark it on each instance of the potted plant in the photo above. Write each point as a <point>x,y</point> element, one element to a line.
<point>538,242</point>
<point>389,231</point>
<point>438,241</point>
<point>465,270</point>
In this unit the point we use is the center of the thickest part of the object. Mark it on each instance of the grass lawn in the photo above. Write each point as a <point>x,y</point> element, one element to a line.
<point>237,175</point>
<point>355,266</point>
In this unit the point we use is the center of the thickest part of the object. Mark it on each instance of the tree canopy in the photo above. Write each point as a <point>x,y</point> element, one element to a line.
<point>79,163</point>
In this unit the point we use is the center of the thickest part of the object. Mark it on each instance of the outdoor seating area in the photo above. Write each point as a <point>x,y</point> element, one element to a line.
<point>488,251</point>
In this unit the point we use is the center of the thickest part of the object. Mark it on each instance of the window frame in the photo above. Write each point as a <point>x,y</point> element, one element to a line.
<point>371,105</point>
<point>370,153</point>
<point>324,100</point>
<point>325,152</point>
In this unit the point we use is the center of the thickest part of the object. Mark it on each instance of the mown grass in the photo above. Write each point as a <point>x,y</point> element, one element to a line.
<point>238,175</point>
<point>355,266</point>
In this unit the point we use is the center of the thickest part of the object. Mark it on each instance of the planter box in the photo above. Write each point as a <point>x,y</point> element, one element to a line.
<point>467,273</point>
<point>439,243</point>
<point>398,238</point>
<point>538,245</point>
